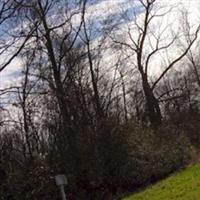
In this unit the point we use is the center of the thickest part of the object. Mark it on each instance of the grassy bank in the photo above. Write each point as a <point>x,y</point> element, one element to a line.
<point>184,185</point>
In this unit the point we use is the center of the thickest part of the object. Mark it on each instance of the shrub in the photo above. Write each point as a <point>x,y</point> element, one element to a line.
<point>153,154</point>
<point>112,158</point>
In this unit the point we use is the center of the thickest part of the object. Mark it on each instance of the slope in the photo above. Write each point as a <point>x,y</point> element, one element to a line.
<point>184,185</point>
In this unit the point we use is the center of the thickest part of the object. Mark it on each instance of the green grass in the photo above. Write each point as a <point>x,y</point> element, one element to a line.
<point>184,185</point>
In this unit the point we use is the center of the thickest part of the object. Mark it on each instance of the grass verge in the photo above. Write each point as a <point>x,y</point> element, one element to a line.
<point>184,185</point>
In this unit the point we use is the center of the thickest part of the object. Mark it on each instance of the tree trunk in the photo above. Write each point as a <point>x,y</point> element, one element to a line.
<point>67,144</point>
<point>153,108</point>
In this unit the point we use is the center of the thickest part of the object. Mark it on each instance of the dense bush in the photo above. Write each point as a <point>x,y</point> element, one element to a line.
<point>153,154</point>
<point>127,157</point>
<point>116,159</point>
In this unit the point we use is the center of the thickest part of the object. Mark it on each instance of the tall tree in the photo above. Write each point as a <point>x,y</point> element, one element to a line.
<point>146,45</point>
<point>54,40</point>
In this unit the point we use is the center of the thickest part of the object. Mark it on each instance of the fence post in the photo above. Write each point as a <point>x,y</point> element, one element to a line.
<point>61,181</point>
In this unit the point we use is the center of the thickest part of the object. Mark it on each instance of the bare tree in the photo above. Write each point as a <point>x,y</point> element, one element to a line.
<point>12,38</point>
<point>191,56</point>
<point>54,39</point>
<point>139,40</point>
<point>87,42</point>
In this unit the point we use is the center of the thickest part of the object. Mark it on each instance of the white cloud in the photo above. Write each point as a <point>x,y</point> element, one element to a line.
<point>10,75</point>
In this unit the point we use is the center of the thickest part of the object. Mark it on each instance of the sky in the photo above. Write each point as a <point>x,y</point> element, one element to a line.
<point>97,12</point>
